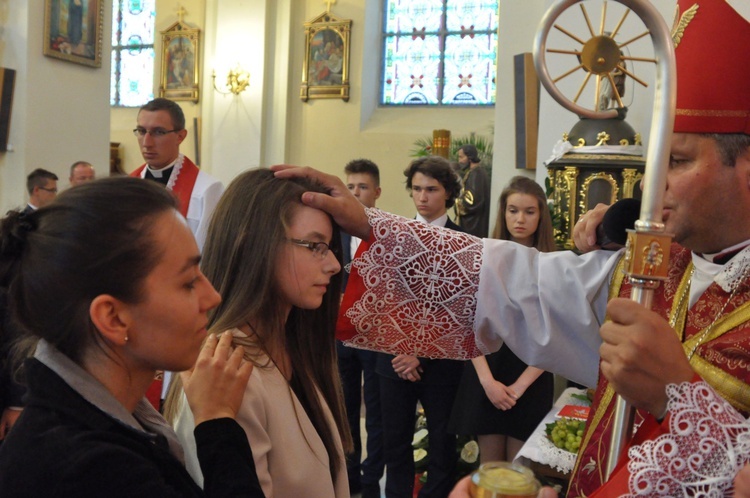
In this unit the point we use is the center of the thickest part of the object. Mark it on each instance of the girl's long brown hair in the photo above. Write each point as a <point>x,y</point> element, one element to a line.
<point>544,237</point>
<point>244,239</point>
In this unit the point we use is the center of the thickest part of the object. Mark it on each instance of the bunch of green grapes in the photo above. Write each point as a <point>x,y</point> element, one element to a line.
<point>566,433</point>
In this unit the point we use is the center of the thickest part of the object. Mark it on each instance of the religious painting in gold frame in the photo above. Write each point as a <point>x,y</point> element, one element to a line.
<point>325,73</point>
<point>180,58</point>
<point>73,31</point>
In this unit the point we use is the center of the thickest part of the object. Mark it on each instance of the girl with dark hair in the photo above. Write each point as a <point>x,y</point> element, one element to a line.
<point>106,281</point>
<point>501,399</point>
<point>276,265</point>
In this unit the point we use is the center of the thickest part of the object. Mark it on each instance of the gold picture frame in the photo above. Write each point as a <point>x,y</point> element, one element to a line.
<point>73,31</point>
<point>180,62</point>
<point>325,73</point>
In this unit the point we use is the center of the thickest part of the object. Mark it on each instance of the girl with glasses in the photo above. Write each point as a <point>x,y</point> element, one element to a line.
<point>268,255</point>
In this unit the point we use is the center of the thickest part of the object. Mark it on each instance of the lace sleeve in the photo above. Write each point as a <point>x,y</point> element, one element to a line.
<point>707,444</point>
<point>418,292</point>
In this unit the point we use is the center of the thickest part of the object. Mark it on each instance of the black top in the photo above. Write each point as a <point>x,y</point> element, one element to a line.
<point>163,179</point>
<point>63,446</point>
<point>11,392</point>
<point>347,256</point>
<point>474,413</point>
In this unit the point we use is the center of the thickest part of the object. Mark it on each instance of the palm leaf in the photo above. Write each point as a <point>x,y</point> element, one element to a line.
<point>423,147</point>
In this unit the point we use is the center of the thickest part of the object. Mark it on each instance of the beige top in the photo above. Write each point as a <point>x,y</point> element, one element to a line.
<point>290,458</point>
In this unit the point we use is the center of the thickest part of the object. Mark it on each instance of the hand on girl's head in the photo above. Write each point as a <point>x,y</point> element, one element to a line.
<point>216,384</point>
<point>348,212</point>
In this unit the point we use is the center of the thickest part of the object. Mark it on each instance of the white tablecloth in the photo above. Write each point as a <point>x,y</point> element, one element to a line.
<point>540,449</point>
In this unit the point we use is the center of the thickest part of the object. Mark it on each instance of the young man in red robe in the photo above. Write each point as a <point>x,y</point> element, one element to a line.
<point>160,131</point>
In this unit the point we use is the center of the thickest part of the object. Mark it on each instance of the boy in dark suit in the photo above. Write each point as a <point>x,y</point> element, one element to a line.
<point>406,380</point>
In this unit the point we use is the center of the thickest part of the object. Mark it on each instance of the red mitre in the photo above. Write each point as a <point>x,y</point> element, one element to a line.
<point>712,48</point>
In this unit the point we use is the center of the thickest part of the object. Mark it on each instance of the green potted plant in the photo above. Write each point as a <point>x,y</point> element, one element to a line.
<point>423,147</point>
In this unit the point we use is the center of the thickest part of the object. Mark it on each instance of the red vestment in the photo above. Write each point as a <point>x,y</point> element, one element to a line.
<point>184,183</point>
<point>721,359</point>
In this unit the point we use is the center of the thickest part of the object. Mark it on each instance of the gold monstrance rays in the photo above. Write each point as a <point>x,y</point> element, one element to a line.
<point>602,56</point>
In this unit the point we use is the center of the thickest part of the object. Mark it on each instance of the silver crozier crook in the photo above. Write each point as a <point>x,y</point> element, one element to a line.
<point>647,250</point>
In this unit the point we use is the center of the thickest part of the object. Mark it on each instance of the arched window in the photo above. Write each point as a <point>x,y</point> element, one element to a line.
<point>439,52</point>
<point>132,82</point>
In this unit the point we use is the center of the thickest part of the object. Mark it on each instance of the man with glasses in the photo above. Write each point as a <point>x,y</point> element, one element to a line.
<point>160,131</point>
<point>42,187</point>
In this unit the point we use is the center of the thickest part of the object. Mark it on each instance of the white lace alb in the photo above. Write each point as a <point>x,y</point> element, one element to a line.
<point>421,283</point>
<point>734,272</point>
<point>175,171</point>
<point>707,444</point>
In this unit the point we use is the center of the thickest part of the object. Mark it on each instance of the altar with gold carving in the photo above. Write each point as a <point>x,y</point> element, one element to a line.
<point>598,161</point>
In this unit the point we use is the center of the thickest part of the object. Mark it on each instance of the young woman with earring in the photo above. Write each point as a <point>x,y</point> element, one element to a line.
<point>105,283</point>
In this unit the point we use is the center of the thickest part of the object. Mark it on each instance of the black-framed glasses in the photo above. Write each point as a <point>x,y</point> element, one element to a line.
<point>319,249</point>
<point>53,190</point>
<point>155,133</point>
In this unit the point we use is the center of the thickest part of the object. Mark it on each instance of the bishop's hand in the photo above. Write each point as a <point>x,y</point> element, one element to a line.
<point>346,210</point>
<point>640,355</point>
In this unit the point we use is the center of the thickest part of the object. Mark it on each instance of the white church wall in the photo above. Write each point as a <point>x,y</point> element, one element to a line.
<point>60,109</point>
<point>233,123</point>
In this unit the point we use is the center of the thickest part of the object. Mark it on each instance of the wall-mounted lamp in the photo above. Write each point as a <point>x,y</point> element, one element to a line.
<point>237,81</point>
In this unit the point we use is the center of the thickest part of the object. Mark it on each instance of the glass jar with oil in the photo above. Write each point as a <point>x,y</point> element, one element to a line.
<point>503,479</point>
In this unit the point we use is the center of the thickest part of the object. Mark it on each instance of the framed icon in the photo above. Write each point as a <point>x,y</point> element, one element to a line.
<point>325,74</point>
<point>73,31</point>
<point>180,69</point>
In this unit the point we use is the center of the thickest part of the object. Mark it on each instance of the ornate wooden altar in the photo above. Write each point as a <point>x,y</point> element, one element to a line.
<point>598,161</point>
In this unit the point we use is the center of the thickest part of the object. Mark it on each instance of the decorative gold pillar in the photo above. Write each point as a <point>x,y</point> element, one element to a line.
<point>630,177</point>
<point>441,143</point>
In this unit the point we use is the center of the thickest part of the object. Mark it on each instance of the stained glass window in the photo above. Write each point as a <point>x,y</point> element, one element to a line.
<point>439,52</point>
<point>132,83</point>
